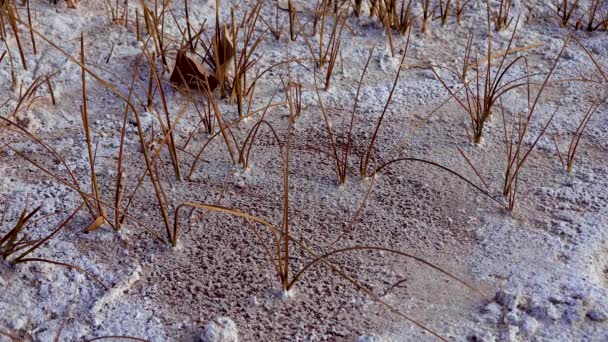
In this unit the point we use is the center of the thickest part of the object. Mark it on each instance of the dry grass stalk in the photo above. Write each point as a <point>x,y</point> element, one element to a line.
<point>595,62</point>
<point>294,97</point>
<point>405,20</point>
<point>565,10</point>
<point>116,337</point>
<point>459,9</point>
<point>13,18</point>
<point>567,160</point>
<point>74,181</point>
<point>85,121</point>
<point>467,57</point>
<point>427,13</point>
<point>292,16</point>
<point>220,53</point>
<point>51,92</point>
<point>517,154</point>
<point>137,33</point>
<point>126,14</point>
<point>13,242</point>
<point>444,11</point>
<point>153,21</point>
<point>3,34</point>
<point>246,148</point>
<point>317,15</point>
<point>502,17</point>
<point>594,21</point>
<point>27,97</point>
<point>120,187</point>
<point>244,60</point>
<point>171,142</point>
<point>156,149</point>
<point>224,130</point>
<point>324,10</point>
<point>357,7</point>
<point>11,336</point>
<point>386,17</point>
<point>29,20</point>
<point>10,243</point>
<point>151,88</point>
<point>276,30</point>
<point>333,49</point>
<point>73,186</point>
<point>367,157</point>
<point>208,118</point>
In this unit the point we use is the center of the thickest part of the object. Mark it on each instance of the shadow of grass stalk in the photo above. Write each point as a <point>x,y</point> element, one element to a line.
<point>428,162</point>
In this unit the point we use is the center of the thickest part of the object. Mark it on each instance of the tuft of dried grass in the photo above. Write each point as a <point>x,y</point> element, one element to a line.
<point>517,152</point>
<point>502,15</point>
<point>484,89</point>
<point>567,159</point>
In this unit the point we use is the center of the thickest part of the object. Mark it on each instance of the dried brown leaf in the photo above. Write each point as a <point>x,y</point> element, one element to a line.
<point>99,221</point>
<point>192,72</point>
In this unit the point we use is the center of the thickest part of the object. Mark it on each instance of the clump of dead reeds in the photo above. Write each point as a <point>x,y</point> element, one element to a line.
<point>595,17</point>
<point>8,12</point>
<point>483,90</point>
<point>341,152</point>
<point>589,19</point>
<point>16,241</point>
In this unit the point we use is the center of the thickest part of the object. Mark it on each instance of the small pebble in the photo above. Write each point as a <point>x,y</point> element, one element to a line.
<point>222,329</point>
<point>597,315</point>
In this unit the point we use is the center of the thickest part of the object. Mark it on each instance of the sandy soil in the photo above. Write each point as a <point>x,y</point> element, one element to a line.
<point>543,269</point>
